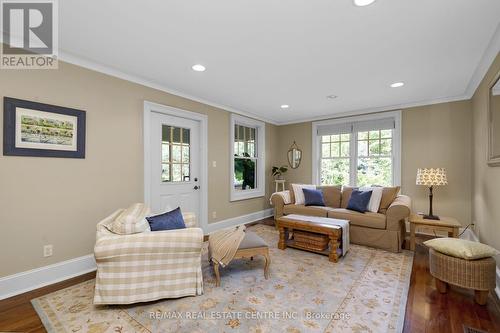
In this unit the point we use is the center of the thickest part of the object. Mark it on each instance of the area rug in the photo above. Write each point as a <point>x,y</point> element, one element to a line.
<point>365,291</point>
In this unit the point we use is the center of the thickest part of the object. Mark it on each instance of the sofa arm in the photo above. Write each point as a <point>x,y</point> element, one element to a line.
<point>397,212</point>
<point>279,200</point>
<point>188,240</point>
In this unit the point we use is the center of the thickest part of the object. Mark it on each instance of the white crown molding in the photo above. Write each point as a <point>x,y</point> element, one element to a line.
<point>89,64</point>
<point>40,277</point>
<point>394,107</point>
<point>484,65</point>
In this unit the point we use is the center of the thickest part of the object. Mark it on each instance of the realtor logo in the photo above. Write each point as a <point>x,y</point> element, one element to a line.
<point>29,34</point>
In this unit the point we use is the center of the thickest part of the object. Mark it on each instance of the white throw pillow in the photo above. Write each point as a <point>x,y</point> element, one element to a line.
<point>131,220</point>
<point>299,194</point>
<point>375,199</point>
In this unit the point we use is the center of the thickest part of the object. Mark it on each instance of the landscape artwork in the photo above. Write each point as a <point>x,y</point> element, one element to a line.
<point>42,130</point>
<point>38,129</point>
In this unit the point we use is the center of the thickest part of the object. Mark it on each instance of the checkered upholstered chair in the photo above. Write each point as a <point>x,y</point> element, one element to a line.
<point>147,266</point>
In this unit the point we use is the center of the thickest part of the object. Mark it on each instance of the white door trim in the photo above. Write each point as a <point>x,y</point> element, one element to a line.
<point>150,107</point>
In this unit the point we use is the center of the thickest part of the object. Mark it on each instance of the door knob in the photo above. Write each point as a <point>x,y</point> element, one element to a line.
<point>196,187</point>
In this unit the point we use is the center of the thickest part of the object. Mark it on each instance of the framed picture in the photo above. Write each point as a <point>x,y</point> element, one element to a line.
<point>42,130</point>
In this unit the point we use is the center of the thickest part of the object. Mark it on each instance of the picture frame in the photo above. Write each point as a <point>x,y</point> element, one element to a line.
<point>493,104</point>
<point>42,130</point>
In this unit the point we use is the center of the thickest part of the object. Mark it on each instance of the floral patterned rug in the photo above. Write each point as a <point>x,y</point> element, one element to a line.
<point>365,291</point>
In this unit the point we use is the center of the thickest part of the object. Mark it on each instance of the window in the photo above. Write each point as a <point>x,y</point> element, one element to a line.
<point>175,151</point>
<point>358,151</point>
<point>247,162</point>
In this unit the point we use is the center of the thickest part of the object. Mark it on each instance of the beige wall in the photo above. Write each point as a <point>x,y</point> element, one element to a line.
<point>432,136</point>
<point>59,201</point>
<point>486,179</point>
<point>439,136</point>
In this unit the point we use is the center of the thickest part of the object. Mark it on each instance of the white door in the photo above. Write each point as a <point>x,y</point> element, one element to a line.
<point>175,163</point>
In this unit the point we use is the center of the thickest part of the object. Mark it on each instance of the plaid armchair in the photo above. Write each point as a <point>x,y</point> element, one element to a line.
<point>147,266</point>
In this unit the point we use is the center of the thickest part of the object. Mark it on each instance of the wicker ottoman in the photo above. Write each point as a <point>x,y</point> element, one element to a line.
<point>478,275</point>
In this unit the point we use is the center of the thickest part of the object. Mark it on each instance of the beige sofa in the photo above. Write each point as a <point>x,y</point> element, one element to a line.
<point>384,229</point>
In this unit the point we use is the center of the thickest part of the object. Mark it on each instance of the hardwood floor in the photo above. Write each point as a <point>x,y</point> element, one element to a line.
<point>427,310</point>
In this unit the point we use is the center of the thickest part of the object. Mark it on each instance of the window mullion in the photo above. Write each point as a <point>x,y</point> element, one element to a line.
<point>353,165</point>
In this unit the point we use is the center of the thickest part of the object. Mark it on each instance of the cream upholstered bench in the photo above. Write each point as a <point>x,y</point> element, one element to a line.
<point>251,245</point>
<point>478,275</point>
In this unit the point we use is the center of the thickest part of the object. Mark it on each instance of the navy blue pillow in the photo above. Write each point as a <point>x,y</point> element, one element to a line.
<point>167,221</point>
<point>313,197</point>
<point>359,201</point>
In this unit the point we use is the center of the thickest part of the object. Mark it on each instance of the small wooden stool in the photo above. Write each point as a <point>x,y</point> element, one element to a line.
<point>478,275</point>
<point>252,245</point>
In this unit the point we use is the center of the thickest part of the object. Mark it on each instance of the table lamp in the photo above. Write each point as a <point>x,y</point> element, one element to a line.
<point>431,177</point>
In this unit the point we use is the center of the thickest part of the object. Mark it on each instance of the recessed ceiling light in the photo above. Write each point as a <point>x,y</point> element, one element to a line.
<point>332,96</point>
<point>362,3</point>
<point>198,68</point>
<point>397,84</point>
<point>285,106</point>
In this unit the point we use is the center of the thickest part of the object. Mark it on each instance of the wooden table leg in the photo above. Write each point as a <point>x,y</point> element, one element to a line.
<point>334,245</point>
<point>441,286</point>
<point>412,237</point>
<point>281,242</point>
<point>217,274</point>
<point>268,262</point>
<point>481,296</point>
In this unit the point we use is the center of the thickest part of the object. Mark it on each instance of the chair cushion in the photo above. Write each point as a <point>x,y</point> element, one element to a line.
<point>368,219</point>
<point>331,195</point>
<point>252,240</point>
<point>461,248</point>
<point>359,201</point>
<point>313,197</point>
<point>167,221</point>
<point>306,210</point>
<point>130,221</point>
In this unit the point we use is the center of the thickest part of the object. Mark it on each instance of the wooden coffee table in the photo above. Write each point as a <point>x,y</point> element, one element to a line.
<point>334,232</point>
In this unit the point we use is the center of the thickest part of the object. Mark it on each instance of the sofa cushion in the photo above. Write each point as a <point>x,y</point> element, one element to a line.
<point>346,195</point>
<point>313,197</point>
<point>309,210</point>
<point>331,195</point>
<point>368,219</point>
<point>374,205</point>
<point>298,194</point>
<point>359,201</point>
<point>388,196</point>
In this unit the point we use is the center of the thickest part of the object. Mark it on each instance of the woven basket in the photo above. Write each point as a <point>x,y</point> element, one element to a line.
<point>473,274</point>
<point>309,240</point>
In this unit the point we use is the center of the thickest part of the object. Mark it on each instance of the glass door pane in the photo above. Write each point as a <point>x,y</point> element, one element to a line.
<point>175,154</point>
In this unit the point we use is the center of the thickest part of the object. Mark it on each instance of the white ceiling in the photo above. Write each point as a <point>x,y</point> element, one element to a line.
<point>260,54</point>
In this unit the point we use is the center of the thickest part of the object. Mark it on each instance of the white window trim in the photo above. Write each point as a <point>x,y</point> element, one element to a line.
<point>260,147</point>
<point>396,142</point>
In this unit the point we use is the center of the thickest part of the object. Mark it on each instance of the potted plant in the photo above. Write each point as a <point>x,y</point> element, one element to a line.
<point>278,172</point>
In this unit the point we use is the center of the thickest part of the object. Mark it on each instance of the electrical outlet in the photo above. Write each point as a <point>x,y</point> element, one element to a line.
<point>48,250</point>
<point>214,164</point>
<point>214,214</point>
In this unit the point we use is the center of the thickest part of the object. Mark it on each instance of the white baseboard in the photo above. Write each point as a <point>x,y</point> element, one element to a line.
<point>244,219</point>
<point>19,283</point>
